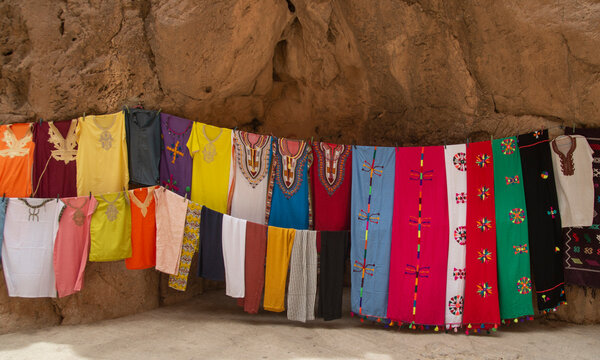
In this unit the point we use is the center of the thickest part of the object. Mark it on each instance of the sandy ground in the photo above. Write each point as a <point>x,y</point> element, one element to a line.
<point>212,327</point>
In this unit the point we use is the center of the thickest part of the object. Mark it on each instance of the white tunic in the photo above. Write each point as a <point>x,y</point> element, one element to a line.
<point>234,255</point>
<point>27,252</point>
<point>572,161</point>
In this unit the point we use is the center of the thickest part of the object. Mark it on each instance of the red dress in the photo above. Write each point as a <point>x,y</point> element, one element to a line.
<point>331,176</point>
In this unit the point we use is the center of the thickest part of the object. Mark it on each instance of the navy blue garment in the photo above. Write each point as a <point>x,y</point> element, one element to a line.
<point>210,260</point>
<point>143,145</point>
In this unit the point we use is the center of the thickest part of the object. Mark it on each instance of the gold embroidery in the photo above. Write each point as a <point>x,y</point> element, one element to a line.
<point>210,150</point>
<point>106,138</point>
<point>64,148</point>
<point>111,212</point>
<point>143,205</point>
<point>15,147</point>
<point>78,215</point>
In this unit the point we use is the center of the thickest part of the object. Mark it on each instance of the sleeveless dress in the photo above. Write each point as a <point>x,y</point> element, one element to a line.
<point>16,160</point>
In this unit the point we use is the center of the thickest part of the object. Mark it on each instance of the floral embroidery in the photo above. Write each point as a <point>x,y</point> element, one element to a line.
<point>520,249</point>
<point>517,215</point>
<point>175,149</point>
<point>537,134</point>
<point>458,273</point>
<point>252,158</point>
<point>14,146</point>
<point>552,212</point>
<point>455,305</point>
<point>78,215</point>
<point>544,175</point>
<point>507,146</point>
<point>484,255</point>
<point>460,235</point>
<point>567,166</point>
<point>64,148</point>
<point>484,289</point>
<point>111,212</point>
<point>484,224</point>
<point>290,168</point>
<point>460,161</point>
<point>512,180</point>
<point>482,160</point>
<point>524,285</point>
<point>209,152</point>
<point>188,248</point>
<point>332,164</point>
<point>483,192</point>
<point>461,198</point>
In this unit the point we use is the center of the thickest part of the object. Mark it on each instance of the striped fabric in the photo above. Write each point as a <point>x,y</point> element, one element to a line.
<point>302,288</point>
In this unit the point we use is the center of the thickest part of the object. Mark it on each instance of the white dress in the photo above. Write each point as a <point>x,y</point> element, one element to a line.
<point>572,161</point>
<point>234,255</point>
<point>27,252</point>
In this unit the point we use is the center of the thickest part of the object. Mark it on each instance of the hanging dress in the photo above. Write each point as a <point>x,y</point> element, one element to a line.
<point>210,260</point>
<point>289,198</point>
<point>143,145</point>
<point>110,228</point>
<point>189,246</point>
<point>16,160</point>
<point>279,248</point>
<point>254,268</point>
<point>512,242</point>
<point>481,309</point>
<point>419,251</point>
<point>210,147</point>
<point>72,244</point>
<point>334,252</point>
<point>234,252</point>
<point>331,177</point>
<point>102,154</point>
<point>143,229</point>
<point>171,211</point>
<point>54,165</point>
<point>456,180</point>
<point>29,233</point>
<point>373,172</point>
<point>175,159</point>
<point>545,237</point>
<point>250,180</point>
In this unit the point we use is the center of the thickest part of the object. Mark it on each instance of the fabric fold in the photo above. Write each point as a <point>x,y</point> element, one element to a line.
<point>234,252</point>
<point>279,249</point>
<point>189,246</point>
<point>302,287</point>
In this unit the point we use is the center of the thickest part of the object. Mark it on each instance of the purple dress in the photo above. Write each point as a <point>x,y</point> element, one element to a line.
<point>175,159</point>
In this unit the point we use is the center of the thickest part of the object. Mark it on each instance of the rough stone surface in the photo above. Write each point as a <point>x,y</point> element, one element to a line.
<point>368,72</point>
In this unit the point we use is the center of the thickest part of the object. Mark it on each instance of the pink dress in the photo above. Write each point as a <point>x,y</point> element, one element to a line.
<point>73,244</point>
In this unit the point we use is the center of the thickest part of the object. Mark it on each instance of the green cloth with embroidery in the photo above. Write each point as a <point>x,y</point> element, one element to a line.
<point>514,278</point>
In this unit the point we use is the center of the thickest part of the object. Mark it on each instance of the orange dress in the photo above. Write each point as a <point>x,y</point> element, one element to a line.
<point>143,229</point>
<point>16,160</point>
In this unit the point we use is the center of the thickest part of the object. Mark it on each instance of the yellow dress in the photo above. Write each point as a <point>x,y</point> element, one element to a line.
<point>279,248</point>
<point>110,228</point>
<point>102,154</point>
<point>210,148</point>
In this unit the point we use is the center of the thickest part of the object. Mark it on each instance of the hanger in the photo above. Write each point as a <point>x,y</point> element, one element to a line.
<point>3,197</point>
<point>40,121</point>
<point>57,195</point>
<point>90,195</point>
<point>185,197</point>
<point>444,143</point>
<point>467,142</point>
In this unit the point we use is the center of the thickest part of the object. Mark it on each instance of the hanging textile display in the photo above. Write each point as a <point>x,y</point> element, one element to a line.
<point>210,261</point>
<point>572,161</point>
<point>334,252</point>
<point>581,247</point>
<point>55,154</point>
<point>189,246</point>
<point>543,219</point>
<point>481,307</point>
<point>302,287</point>
<point>456,180</point>
<point>419,250</point>
<point>110,228</point>
<point>29,232</point>
<point>171,210</point>
<point>72,244</point>
<point>254,268</point>
<point>210,147</point>
<point>373,170</point>
<point>3,204</point>
<point>279,248</point>
<point>234,252</point>
<point>175,159</point>
<point>143,145</point>
<point>250,180</point>
<point>16,159</point>
<point>512,241</point>
<point>102,154</point>
<point>288,194</point>
<point>331,177</point>
<point>143,229</point>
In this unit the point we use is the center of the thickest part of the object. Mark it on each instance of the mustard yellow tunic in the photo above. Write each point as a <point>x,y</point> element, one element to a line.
<point>102,154</point>
<point>279,249</point>
<point>110,228</point>
<point>210,148</point>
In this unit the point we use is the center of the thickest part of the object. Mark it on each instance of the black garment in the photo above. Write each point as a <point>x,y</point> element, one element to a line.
<point>334,250</point>
<point>143,145</point>
<point>544,220</point>
<point>210,260</point>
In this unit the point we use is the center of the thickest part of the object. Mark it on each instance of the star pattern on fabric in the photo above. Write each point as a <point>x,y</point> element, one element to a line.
<point>517,215</point>
<point>484,224</point>
<point>507,146</point>
<point>484,255</point>
<point>455,305</point>
<point>460,161</point>
<point>482,160</point>
<point>524,285</point>
<point>484,289</point>
<point>483,192</point>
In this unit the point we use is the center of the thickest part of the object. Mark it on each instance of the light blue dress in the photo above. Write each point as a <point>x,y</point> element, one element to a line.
<point>3,203</point>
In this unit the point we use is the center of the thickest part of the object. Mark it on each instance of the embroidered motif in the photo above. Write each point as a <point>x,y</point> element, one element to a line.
<point>537,134</point>
<point>482,160</point>
<point>455,305</point>
<point>64,148</point>
<point>188,248</point>
<point>524,285</point>
<point>507,146</point>
<point>34,210</point>
<point>483,192</point>
<point>512,180</point>
<point>418,272</point>
<point>567,166</point>
<point>78,215</point>
<point>460,235</point>
<point>332,164</point>
<point>111,212</point>
<point>544,175</point>
<point>459,274</point>
<point>484,255</point>
<point>15,147</point>
<point>520,249</point>
<point>552,212</point>
<point>484,224</point>
<point>460,161</point>
<point>143,206</point>
<point>365,269</point>
<point>105,138</point>
<point>484,289</point>
<point>252,158</point>
<point>461,198</point>
<point>290,168</point>
<point>517,215</point>
<point>175,149</point>
<point>209,151</point>
<point>596,172</point>
<point>364,216</point>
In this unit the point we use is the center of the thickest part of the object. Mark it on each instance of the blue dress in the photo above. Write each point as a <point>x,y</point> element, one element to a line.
<point>373,172</point>
<point>289,202</point>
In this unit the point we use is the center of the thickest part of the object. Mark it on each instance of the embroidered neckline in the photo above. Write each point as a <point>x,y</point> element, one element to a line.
<point>15,147</point>
<point>111,210</point>
<point>143,206</point>
<point>64,147</point>
<point>285,151</point>
<point>105,138</point>
<point>567,166</point>
<point>34,210</point>
<point>210,150</point>
<point>78,215</point>
<point>289,168</point>
<point>332,163</point>
<point>252,158</point>
<point>175,133</point>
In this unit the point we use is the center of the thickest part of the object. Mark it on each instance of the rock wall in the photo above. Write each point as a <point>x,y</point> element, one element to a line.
<point>354,71</point>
